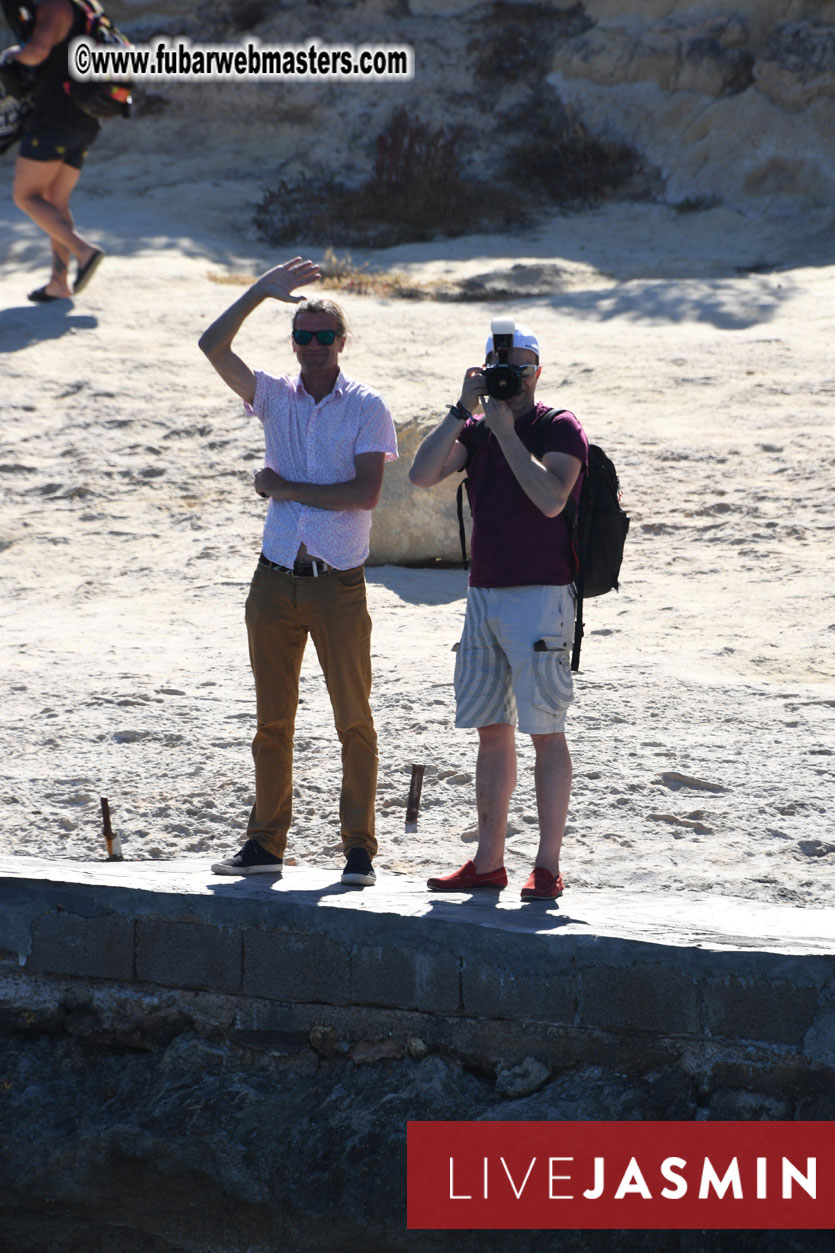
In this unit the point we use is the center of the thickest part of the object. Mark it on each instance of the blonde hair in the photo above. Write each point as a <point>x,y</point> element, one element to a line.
<point>322,305</point>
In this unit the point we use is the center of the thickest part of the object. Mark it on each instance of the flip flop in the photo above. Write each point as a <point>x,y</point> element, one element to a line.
<point>86,271</point>
<point>40,296</point>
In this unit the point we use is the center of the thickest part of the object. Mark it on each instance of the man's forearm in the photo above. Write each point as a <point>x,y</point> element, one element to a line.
<point>350,495</point>
<point>219,336</point>
<point>544,488</point>
<point>433,452</point>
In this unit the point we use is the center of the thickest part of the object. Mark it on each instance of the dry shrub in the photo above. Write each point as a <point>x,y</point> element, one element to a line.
<point>342,273</point>
<point>414,193</point>
<point>560,159</point>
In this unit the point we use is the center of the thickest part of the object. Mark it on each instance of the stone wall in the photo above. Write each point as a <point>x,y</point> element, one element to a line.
<point>231,1065</point>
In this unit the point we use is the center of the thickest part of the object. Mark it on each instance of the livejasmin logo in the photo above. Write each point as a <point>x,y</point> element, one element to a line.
<point>638,1175</point>
<point>632,1182</point>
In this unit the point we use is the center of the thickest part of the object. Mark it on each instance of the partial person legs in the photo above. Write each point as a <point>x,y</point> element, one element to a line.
<point>340,628</point>
<point>276,647</point>
<point>495,782</point>
<point>513,664</point>
<point>552,776</point>
<point>495,779</point>
<point>42,190</point>
<point>280,613</point>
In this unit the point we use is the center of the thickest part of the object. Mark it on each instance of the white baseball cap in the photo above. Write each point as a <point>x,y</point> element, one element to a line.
<point>523,337</point>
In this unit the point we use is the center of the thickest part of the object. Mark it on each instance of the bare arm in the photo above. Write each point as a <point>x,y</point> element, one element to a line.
<point>547,483</point>
<point>53,21</point>
<point>216,341</point>
<point>360,492</point>
<point>440,453</point>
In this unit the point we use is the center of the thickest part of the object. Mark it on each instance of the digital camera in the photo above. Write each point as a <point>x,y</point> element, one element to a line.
<point>503,379</point>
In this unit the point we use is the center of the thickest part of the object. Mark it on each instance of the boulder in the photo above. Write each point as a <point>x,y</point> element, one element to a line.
<point>412,525</point>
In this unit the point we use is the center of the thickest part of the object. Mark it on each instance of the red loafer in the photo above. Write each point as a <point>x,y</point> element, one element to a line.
<point>467,878</point>
<point>542,885</point>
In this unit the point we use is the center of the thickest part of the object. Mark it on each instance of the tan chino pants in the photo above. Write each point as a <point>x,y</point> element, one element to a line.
<point>281,611</point>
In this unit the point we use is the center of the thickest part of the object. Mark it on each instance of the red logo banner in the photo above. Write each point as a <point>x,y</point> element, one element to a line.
<point>621,1175</point>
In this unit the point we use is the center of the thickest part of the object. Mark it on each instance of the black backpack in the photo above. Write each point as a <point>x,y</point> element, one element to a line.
<point>598,526</point>
<point>13,113</point>
<point>111,97</point>
<point>16,80</point>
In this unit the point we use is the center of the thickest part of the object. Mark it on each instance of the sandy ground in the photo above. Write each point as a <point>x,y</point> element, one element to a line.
<point>696,348</point>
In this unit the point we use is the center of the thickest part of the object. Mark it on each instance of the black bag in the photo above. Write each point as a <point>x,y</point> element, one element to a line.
<point>16,81</point>
<point>110,98</point>
<point>103,99</point>
<point>13,111</point>
<point>599,530</point>
<point>598,527</point>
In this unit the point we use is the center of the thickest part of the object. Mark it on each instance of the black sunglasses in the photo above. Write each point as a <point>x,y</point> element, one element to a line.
<point>322,337</point>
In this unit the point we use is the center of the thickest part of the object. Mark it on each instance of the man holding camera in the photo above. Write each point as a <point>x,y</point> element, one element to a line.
<point>513,658</point>
<point>327,441</point>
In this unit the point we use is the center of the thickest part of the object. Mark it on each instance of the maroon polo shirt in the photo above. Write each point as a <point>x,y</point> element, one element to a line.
<point>513,543</point>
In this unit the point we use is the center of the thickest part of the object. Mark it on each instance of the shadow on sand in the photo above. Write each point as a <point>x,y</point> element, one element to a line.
<point>23,325</point>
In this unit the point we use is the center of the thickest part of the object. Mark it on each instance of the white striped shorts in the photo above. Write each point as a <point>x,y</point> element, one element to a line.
<point>499,675</point>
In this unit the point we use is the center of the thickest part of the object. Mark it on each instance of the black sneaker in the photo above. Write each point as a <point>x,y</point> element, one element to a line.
<point>251,859</point>
<point>358,869</point>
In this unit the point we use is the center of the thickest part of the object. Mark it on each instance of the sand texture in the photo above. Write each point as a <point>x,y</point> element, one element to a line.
<point>696,348</point>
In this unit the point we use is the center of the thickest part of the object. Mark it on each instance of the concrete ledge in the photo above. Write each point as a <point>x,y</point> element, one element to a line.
<point>593,968</point>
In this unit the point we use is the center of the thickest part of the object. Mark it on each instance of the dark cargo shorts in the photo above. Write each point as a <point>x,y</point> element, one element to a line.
<point>69,147</point>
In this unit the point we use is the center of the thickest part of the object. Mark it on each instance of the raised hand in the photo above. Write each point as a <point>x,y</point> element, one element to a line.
<point>281,281</point>
<point>473,388</point>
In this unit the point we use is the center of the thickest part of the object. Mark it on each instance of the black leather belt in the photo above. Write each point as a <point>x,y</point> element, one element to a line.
<point>299,569</point>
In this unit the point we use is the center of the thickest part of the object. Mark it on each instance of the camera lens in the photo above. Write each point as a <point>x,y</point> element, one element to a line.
<point>503,381</point>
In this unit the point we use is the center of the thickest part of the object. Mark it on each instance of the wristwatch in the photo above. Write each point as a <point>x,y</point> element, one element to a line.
<point>458,411</point>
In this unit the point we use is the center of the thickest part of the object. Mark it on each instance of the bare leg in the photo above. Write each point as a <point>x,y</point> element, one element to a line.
<point>58,195</point>
<point>42,190</point>
<point>552,776</point>
<point>495,779</point>
<point>58,284</point>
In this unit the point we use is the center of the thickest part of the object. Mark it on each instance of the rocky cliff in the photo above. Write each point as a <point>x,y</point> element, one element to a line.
<point>732,101</point>
<point>727,100</point>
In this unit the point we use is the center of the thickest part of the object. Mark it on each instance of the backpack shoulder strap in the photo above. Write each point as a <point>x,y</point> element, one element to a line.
<point>539,430</point>
<point>480,433</point>
<point>462,534</point>
<point>570,512</point>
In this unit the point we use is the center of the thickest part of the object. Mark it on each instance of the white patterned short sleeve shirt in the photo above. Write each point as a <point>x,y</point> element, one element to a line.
<point>310,442</point>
